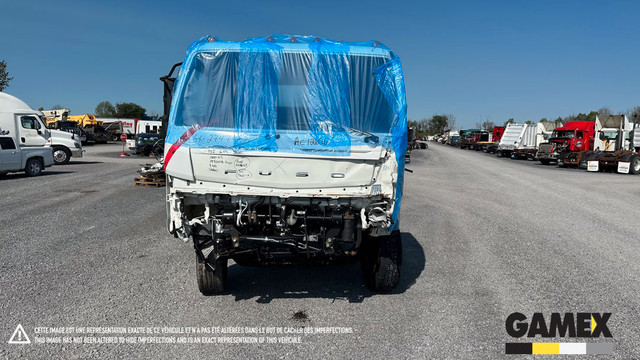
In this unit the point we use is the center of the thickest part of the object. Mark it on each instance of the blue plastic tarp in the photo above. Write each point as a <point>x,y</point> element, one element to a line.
<point>293,94</point>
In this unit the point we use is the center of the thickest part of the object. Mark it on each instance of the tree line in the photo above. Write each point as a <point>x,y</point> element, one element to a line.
<point>120,110</point>
<point>105,109</point>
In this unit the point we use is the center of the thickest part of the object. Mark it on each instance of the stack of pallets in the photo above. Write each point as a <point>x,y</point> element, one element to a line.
<point>150,180</point>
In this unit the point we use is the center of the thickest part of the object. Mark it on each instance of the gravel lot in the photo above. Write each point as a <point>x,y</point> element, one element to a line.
<point>483,237</point>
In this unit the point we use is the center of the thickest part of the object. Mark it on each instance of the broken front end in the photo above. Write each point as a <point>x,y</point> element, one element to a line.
<point>280,216</point>
<point>287,149</point>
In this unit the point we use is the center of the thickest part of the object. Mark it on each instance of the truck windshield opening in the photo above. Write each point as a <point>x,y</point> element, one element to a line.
<point>215,92</point>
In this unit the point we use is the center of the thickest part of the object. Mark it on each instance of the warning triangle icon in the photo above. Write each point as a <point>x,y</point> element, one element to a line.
<point>19,336</point>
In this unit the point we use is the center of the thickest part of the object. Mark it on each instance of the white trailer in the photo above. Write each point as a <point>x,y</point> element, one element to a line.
<point>512,138</point>
<point>128,125</point>
<point>521,141</point>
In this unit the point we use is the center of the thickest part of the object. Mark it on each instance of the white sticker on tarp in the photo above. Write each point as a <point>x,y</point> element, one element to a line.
<point>623,167</point>
<point>592,165</point>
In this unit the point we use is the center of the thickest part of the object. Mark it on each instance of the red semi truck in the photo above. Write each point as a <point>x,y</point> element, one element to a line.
<point>567,143</point>
<point>481,139</point>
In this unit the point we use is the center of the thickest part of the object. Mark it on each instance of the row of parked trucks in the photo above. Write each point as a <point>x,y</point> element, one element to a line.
<point>92,129</point>
<point>611,143</point>
<point>472,139</point>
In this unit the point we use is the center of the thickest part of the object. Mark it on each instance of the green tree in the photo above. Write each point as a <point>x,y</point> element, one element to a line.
<point>105,109</point>
<point>4,76</point>
<point>130,110</point>
<point>510,121</point>
<point>437,124</point>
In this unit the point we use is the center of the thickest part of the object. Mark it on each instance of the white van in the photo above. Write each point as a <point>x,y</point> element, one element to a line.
<point>26,127</point>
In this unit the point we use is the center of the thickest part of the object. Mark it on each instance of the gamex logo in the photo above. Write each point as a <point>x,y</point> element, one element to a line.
<point>560,325</point>
<point>565,325</point>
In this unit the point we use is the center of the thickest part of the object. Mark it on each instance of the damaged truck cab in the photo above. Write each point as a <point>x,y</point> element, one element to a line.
<point>287,149</point>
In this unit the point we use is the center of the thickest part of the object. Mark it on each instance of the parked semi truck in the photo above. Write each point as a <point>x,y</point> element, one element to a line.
<point>531,140</point>
<point>23,138</point>
<point>468,138</point>
<point>513,136</point>
<point>521,141</point>
<point>451,137</point>
<point>476,139</point>
<point>492,145</point>
<point>567,142</point>
<point>613,146</point>
<point>296,154</point>
<point>30,130</point>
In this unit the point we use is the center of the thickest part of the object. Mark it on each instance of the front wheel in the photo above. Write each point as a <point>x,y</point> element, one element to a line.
<point>634,166</point>
<point>33,168</point>
<point>211,281</point>
<point>61,155</point>
<point>545,161</point>
<point>380,262</point>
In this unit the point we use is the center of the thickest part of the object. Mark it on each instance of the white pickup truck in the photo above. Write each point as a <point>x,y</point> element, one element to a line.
<point>31,160</point>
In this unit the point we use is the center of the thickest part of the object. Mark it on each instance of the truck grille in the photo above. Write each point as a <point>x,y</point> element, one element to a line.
<point>545,148</point>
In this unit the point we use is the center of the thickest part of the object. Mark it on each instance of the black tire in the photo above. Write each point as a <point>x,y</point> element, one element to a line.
<point>634,166</point>
<point>61,155</point>
<point>34,167</point>
<point>545,161</point>
<point>380,261</point>
<point>584,163</point>
<point>211,281</point>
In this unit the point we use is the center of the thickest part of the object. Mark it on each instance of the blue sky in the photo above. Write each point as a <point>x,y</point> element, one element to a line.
<point>477,60</point>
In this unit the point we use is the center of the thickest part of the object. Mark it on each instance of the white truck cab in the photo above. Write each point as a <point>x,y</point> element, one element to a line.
<point>27,128</point>
<point>287,149</point>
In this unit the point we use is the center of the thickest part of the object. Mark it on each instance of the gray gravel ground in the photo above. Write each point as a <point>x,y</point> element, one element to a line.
<point>483,237</point>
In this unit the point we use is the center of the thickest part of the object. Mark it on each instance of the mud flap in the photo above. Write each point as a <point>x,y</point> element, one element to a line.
<point>623,167</point>
<point>593,165</point>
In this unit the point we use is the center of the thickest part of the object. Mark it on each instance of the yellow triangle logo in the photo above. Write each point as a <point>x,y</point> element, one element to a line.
<point>593,324</point>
